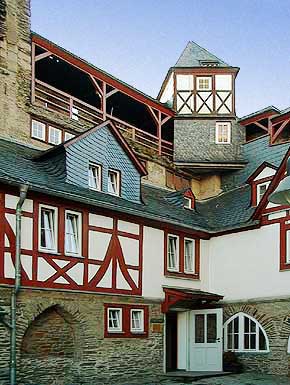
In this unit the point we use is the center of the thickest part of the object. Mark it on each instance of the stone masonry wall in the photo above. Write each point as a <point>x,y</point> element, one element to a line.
<point>60,338</point>
<point>15,70</point>
<point>274,316</point>
<point>194,141</point>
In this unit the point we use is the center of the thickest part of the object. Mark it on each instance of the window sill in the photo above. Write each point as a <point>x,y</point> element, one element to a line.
<point>73,255</point>
<point>48,251</point>
<point>178,275</point>
<point>248,352</point>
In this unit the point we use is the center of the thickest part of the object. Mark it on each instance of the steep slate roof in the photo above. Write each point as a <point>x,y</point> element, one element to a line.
<point>194,53</point>
<point>259,112</point>
<point>255,152</point>
<point>229,210</point>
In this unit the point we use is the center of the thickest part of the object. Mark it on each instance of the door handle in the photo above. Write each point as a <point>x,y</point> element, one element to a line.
<point>217,340</point>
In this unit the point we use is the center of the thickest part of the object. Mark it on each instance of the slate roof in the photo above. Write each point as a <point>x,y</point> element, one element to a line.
<point>255,153</point>
<point>194,54</point>
<point>266,109</point>
<point>229,210</point>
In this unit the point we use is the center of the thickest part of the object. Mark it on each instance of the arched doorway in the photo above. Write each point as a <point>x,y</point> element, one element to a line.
<point>48,348</point>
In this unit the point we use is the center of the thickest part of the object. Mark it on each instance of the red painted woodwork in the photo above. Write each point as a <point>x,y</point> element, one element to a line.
<point>284,228</point>
<point>254,185</point>
<point>189,194</point>
<point>126,321</point>
<point>181,272</point>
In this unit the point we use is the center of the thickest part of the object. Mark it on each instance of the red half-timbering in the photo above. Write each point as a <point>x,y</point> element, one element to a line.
<point>60,271</point>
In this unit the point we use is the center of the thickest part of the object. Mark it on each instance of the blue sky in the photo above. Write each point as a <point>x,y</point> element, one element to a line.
<point>138,40</point>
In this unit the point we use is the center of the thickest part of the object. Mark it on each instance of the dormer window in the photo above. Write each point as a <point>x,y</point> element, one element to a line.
<point>187,203</point>
<point>223,133</point>
<point>54,135</point>
<point>261,189</point>
<point>95,175</point>
<point>204,83</point>
<point>114,182</point>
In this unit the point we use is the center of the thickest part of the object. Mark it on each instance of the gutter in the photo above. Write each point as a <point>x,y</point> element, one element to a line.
<point>15,291</point>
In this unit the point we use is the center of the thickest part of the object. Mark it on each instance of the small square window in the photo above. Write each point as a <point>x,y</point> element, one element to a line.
<point>114,320</point>
<point>95,175</point>
<point>261,189</point>
<point>38,130</point>
<point>223,133</point>
<point>114,182</point>
<point>48,228</point>
<point>172,252</point>
<point>187,203</point>
<point>189,255</point>
<point>72,233</point>
<point>137,320</point>
<point>68,136</point>
<point>54,135</point>
<point>204,83</point>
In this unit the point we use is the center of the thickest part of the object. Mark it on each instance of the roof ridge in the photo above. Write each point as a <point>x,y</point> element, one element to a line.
<point>212,54</point>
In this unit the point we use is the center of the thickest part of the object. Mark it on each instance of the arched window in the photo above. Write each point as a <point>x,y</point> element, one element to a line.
<point>242,333</point>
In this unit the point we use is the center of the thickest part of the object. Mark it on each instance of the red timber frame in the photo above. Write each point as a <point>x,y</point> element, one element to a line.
<point>62,263</point>
<point>254,183</point>
<point>277,125</point>
<point>105,86</point>
<point>126,321</point>
<point>214,93</point>
<point>181,271</point>
<point>114,254</point>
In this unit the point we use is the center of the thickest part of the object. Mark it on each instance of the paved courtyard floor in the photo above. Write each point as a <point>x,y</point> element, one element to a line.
<point>238,379</point>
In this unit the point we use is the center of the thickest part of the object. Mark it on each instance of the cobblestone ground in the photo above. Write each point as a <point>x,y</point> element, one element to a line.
<point>238,379</point>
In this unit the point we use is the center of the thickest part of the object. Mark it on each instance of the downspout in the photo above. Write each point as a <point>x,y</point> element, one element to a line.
<point>22,196</point>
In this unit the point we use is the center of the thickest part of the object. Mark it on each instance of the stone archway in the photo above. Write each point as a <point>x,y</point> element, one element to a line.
<point>48,348</point>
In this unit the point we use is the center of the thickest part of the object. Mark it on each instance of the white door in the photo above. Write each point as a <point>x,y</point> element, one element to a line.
<point>205,349</point>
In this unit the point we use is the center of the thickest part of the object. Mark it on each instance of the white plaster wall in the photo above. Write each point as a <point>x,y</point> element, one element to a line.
<point>245,265</point>
<point>223,82</point>
<point>153,266</point>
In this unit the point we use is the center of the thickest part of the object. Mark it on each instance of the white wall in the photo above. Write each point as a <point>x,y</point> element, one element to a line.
<point>245,265</point>
<point>153,266</point>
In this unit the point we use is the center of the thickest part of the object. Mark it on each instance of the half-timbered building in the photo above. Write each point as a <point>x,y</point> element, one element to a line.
<point>136,235</point>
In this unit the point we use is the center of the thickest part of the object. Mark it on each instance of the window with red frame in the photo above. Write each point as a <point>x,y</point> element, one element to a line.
<point>126,321</point>
<point>285,246</point>
<point>181,256</point>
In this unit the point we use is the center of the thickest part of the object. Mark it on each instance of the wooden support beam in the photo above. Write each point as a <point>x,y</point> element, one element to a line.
<point>104,100</point>
<point>42,55</point>
<point>164,120</point>
<point>96,84</point>
<point>261,126</point>
<point>111,93</point>
<point>280,129</point>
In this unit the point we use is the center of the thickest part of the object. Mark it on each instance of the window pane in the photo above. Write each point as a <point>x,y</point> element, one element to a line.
<point>199,328</point>
<point>246,341</point>
<point>68,136</point>
<point>38,130</point>
<point>114,319</point>
<point>253,341</point>
<point>72,236</point>
<point>262,341</point>
<point>54,135</point>
<point>236,325</point>
<point>188,255</point>
<point>172,252</point>
<point>47,229</point>
<point>113,182</point>
<point>137,320</point>
<point>211,328</point>
<point>95,177</point>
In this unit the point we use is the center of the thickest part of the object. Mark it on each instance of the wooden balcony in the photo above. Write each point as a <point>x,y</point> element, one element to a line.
<point>61,102</point>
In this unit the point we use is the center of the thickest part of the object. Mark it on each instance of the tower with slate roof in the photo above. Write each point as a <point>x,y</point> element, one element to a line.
<point>201,89</point>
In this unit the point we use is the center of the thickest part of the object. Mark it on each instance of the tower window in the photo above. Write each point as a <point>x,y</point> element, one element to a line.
<point>37,130</point>
<point>204,83</point>
<point>261,189</point>
<point>54,135</point>
<point>95,172</point>
<point>223,133</point>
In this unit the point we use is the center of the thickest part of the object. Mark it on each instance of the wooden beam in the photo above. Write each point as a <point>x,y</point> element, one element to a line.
<point>261,126</point>
<point>96,84</point>
<point>42,55</point>
<point>164,120</point>
<point>152,113</point>
<point>111,93</point>
<point>104,101</point>
<point>280,129</point>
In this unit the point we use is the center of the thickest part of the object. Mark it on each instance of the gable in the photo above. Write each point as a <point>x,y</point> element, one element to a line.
<point>267,172</point>
<point>101,147</point>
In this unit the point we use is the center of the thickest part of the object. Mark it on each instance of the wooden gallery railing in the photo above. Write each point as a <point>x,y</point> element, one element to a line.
<point>59,101</point>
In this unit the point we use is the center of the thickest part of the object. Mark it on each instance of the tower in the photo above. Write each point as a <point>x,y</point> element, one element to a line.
<point>201,89</point>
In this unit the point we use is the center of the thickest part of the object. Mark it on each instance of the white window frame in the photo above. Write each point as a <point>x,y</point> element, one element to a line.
<point>137,330</point>
<point>241,334</point>
<point>79,229</point>
<point>98,167</point>
<point>209,78</point>
<point>176,268</point>
<point>118,176</point>
<point>120,328</point>
<point>191,271</point>
<point>68,136</point>
<point>189,201</point>
<point>43,125</point>
<point>259,185</point>
<point>54,230</point>
<point>229,133</point>
<point>55,129</point>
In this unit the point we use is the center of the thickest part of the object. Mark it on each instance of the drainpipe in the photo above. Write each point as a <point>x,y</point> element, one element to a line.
<point>22,196</point>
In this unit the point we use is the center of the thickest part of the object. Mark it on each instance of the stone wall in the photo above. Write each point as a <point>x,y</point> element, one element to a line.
<point>60,338</point>
<point>274,316</point>
<point>194,141</point>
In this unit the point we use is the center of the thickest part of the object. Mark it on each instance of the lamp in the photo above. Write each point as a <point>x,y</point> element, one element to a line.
<point>281,195</point>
